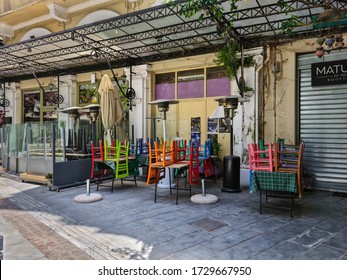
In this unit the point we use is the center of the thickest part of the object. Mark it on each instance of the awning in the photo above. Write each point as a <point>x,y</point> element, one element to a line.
<point>154,34</point>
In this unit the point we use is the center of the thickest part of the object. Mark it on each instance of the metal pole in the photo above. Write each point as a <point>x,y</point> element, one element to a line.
<point>203,187</point>
<point>94,132</point>
<point>164,125</point>
<point>88,187</point>
<point>231,133</point>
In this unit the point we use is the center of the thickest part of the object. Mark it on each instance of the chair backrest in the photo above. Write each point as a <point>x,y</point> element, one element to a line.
<point>261,159</point>
<point>288,157</point>
<point>97,155</point>
<point>110,152</point>
<point>155,174</point>
<point>97,151</point>
<point>180,150</point>
<point>206,149</point>
<point>122,167</point>
<point>164,153</point>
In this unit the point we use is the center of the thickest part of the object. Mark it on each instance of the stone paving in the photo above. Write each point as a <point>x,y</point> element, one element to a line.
<point>40,224</point>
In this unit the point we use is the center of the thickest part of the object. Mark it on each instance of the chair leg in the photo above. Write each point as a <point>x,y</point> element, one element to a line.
<point>169,180</point>
<point>176,190</point>
<point>112,184</point>
<point>156,184</point>
<point>291,204</point>
<point>299,185</point>
<point>260,202</point>
<point>97,182</point>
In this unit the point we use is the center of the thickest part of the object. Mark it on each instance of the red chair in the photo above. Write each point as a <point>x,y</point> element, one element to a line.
<point>194,174</point>
<point>180,151</point>
<point>100,170</point>
<point>261,159</point>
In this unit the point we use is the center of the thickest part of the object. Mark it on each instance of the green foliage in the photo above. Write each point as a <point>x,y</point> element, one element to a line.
<point>227,58</point>
<point>216,146</point>
<point>288,26</point>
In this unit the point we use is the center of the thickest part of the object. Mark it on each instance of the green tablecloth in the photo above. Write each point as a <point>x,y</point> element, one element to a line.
<point>273,181</point>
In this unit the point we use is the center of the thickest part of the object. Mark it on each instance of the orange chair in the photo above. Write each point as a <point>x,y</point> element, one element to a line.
<point>156,170</point>
<point>100,170</point>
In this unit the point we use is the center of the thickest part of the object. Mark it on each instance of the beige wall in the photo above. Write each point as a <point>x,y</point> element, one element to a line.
<point>280,116</point>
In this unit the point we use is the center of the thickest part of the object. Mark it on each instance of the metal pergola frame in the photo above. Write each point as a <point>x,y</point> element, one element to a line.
<point>154,34</point>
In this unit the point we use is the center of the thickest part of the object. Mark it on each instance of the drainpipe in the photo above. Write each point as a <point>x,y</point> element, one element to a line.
<point>257,93</point>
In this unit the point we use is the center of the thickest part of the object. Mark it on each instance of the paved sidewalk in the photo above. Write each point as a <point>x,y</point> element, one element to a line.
<point>127,224</point>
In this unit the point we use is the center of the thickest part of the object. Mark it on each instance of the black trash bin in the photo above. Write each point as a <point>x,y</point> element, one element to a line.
<point>231,174</point>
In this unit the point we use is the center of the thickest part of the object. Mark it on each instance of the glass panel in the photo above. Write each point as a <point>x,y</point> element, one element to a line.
<point>217,82</point>
<point>165,86</point>
<point>12,140</point>
<point>190,84</point>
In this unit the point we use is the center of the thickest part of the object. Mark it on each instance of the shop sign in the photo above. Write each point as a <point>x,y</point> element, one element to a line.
<point>329,73</point>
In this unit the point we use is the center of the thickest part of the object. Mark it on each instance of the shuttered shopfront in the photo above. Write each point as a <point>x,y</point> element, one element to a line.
<point>322,89</point>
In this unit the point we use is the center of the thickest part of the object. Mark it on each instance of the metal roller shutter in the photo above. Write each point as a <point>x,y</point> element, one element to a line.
<point>323,125</point>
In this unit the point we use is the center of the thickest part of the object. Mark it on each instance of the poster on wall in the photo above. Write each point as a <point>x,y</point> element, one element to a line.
<point>212,126</point>
<point>224,125</point>
<point>195,125</point>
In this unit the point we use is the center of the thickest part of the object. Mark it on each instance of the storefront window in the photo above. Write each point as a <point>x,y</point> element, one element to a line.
<point>165,86</point>
<point>39,105</point>
<point>87,93</point>
<point>217,82</point>
<point>190,84</point>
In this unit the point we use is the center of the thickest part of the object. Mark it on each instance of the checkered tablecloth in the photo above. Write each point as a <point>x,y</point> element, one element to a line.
<point>273,181</point>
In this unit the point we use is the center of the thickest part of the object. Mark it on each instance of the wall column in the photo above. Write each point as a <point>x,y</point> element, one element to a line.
<point>140,83</point>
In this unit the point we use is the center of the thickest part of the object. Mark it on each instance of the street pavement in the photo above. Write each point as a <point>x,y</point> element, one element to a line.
<point>39,224</point>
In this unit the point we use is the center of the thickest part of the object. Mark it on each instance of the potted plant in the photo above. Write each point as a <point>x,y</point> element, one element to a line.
<point>216,150</point>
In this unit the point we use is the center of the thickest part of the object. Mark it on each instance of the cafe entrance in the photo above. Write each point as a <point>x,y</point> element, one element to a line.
<point>323,118</point>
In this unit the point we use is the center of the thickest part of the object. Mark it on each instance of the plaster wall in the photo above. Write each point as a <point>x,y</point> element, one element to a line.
<point>278,101</point>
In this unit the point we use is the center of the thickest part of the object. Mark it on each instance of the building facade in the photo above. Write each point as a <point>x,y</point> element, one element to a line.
<point>282,101</point>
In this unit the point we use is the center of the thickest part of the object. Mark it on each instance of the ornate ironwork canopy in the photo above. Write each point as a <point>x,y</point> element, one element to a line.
<point>155,34</point>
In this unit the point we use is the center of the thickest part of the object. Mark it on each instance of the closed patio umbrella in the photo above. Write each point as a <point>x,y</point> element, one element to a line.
<point>111,106</point>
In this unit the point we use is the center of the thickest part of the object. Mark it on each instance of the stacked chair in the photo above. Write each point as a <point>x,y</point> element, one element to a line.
<point>261,159</point>
<point>143,155</point>
<point>173,154</point>
<point>159,156</point>
<point>133,160</point>
<point>205,156</point>
<point>277,157</point>
<point>100,170</point>
<point>118,155</point>
<point>288,158</point>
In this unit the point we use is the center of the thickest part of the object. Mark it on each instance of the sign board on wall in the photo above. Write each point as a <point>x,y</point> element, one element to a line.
<point>329,73</point>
